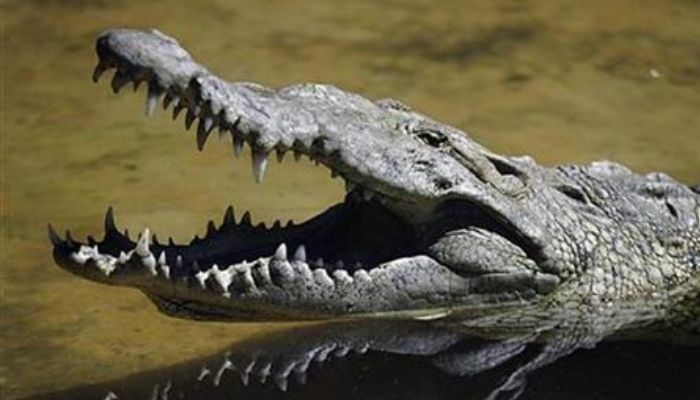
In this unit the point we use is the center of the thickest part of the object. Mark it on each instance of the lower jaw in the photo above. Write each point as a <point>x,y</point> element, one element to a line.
<point>414,287</point>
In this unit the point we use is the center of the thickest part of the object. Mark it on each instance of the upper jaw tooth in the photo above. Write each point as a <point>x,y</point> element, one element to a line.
<point>203,131</point>
<point>259,158</point>
<point>119,80</point>
<point>152,98</point>
<point>238,144</point>
<point>100,68</point>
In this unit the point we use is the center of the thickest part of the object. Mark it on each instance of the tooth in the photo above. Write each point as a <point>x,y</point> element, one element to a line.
<point>124,257</point>
<point>245,377</point>
<point>167,99</point>
<point>203,130</point>
<point>319,262</point>
<point>246,218</point>
<point>152,98</point>
<point>162,260</point>
<point>202,277</point>
<point>339,264</point>
<point>119,80</point>
<point>281,252</point>
<point>208,123</point>
<point>55,239</point>
<point>210,228</point>
<point>203,373</point>
<point>166,270</point>
<point>229,218</point>
<point>323,354</point>
<point>277,224</point>
<point>223,278</point>
<point>82,255</point>
<point>341,352</point>
<point>137,83</point>
<point>297,155</point>
<point>264,372</point>
<point>142,246</point>
<point>363,349</point>
<point>281,382</point>
<point>220,373</point>
<point>280,155</point>
<point>248,281</point>
<point>238,143</point>
<point>176,110</point>
<point>91,240</point>
<point>259,158</point>
<point>300,254</point>
<point>100,68</point>
<point>149,262</point>
<point>189,118</point>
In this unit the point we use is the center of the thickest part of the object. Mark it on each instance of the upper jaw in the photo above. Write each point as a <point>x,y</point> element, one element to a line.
<point>367,144</point>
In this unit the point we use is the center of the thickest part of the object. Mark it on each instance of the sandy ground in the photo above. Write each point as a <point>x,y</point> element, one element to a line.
<point>561,81</point>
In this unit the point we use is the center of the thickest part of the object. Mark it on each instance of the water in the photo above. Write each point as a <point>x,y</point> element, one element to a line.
<point>560,81</point>
<point>410,361</point>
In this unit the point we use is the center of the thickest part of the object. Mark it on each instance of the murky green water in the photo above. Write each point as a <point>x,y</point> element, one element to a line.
<point>562,81</point>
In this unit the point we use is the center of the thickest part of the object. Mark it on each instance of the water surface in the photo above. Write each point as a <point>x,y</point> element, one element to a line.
<point>561,81</point>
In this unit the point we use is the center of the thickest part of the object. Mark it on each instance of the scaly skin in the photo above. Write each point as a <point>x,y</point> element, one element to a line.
<point>432,222</point>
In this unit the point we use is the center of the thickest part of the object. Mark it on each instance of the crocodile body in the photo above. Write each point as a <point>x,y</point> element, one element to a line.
<point>432,222</point>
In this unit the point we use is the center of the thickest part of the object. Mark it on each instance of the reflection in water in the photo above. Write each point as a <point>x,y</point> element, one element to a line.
<point>421,360</point>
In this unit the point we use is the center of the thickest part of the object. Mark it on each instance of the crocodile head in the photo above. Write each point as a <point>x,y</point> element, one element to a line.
<point>431,220</point>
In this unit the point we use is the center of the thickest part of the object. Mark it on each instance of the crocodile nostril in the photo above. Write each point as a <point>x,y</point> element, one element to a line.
<point>432,138</point>
<point>573,193</point>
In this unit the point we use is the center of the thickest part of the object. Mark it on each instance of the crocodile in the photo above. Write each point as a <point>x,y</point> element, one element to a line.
<point>432,224</point>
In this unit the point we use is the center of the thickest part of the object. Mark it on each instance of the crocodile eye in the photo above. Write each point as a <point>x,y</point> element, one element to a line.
<point>432,138</point>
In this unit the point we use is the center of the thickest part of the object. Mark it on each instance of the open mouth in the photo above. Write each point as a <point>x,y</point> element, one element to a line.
<point>341,245</point>
<point>335,242</point>
<point>416,231</point>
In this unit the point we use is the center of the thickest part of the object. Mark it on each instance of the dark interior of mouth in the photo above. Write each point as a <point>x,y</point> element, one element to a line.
<point>351,235</point>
